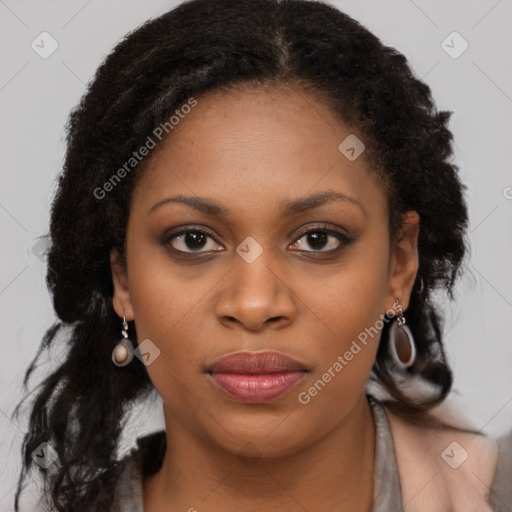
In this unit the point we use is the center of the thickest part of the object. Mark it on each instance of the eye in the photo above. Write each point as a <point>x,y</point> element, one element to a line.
<point>193,239</point>
<point>320,238</point>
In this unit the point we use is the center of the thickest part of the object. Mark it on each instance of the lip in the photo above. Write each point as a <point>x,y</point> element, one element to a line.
<point>256,377</point>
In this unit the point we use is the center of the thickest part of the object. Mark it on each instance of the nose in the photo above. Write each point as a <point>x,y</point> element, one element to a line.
<point>256,295</point>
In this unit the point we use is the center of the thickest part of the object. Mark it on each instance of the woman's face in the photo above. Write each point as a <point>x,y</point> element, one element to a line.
<point>245,164</point>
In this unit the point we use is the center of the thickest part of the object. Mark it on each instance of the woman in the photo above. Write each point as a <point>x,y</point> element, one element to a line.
<point>252,220</point>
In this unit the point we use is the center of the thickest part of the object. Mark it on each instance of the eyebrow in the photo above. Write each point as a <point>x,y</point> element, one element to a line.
<point>288,208</point>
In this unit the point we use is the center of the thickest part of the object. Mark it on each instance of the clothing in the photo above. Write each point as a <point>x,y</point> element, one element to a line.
<point>128,494</point>
<point>386,492</point>
<point>501,491</point>
<point>442,468</point>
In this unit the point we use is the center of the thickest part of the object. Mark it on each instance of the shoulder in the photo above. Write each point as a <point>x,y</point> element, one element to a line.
<point>128,492</point>
<point>452,468</point>
<point>144,459</point>
<point>501,492</point>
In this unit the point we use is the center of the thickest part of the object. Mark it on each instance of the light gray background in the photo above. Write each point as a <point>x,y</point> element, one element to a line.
<point>37,94</point>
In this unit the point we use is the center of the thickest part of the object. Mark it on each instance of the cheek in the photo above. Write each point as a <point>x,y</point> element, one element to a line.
<point>163,295</point>
<point>354,298</point>
<point>344,358</point>
<point>352,309</point>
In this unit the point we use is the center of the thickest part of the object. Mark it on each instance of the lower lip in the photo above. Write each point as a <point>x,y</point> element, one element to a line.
<point>256,388</point>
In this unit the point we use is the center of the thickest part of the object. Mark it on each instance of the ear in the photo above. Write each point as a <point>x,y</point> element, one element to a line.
<point>404,260</point>
<point>121,299</point>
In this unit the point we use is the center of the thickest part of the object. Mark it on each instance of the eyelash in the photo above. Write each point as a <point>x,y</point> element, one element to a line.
<point>342,237</point>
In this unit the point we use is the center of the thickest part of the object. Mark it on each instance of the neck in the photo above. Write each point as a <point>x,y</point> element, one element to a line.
<point>196,474</point>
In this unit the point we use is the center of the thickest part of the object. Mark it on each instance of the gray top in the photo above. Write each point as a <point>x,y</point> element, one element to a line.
<point>501,491</point>
<point>386,489</point>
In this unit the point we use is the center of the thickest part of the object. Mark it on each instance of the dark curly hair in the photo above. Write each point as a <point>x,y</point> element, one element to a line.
<point>200,46</point>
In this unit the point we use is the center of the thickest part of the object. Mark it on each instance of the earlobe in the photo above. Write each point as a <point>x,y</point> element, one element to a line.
<point>121,298</point>
<point>404,260</point>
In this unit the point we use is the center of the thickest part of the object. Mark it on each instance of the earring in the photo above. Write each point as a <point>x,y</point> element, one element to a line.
<point>123,351</point>
<point>401,344</point>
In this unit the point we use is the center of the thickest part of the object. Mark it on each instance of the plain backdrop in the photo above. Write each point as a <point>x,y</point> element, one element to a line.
<point>36,95</point>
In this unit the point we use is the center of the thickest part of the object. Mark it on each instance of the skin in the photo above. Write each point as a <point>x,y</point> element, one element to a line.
<point>249,151</point>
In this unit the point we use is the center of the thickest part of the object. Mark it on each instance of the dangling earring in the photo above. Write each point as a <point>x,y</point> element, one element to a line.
<point>401,342</point>
<point>123,351</point>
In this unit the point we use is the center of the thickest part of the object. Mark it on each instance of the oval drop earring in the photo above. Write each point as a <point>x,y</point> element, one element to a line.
<point>123,351</point>
<point>402,348</point>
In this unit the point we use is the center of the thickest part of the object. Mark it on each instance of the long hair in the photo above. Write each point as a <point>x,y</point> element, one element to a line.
<point>201,46</point>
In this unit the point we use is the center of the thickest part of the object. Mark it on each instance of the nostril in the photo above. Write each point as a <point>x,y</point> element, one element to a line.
<point>274,319</point>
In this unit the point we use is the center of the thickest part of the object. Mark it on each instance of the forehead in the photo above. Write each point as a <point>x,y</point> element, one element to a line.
<point>257,147</point>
